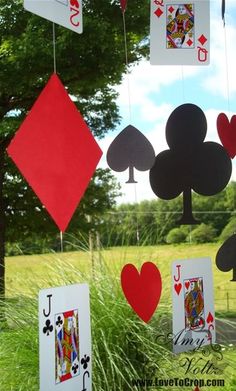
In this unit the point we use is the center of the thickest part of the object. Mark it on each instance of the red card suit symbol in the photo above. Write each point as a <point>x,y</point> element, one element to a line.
<point>226,256</point>
<point>128,150</point>
<point>178,288</point>
<point>123,4</point>
<point>56,152</point>
<point>210,318</point>
<point>227,133</point>
<point>142,290</point>
<point>187,284</point>
<point>190,163</point>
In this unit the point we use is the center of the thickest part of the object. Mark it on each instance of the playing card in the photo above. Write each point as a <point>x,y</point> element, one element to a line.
<point>193,305</point>
<point>65,338</point>
<point>67,13</point>
<point>180,32</point>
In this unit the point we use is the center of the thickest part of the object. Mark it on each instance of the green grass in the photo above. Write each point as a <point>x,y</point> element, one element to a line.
<point>22,271</point>
<point>124,347</point>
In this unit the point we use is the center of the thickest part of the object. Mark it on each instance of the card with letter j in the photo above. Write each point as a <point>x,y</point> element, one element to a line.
<point>180,32</point>
<point>65,339</point>
<point>193,304</point>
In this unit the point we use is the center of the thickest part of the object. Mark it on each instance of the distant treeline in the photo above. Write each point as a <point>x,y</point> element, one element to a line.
<point>156,222</point>
<point>145,223</point>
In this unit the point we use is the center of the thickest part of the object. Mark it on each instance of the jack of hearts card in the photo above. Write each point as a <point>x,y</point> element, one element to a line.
<point>193,304</point>
<point>65,338</point>
<point>180,32</point>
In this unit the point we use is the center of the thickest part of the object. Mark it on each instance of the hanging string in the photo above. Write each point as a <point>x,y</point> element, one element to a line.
<point>55,71</point>
<point>227,70</point>
<point>127,65</point>
<point>54,48</point>
<point>61,241</point>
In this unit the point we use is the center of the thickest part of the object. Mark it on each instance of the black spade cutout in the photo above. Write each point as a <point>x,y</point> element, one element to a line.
<point>130,149</point>
<point>226,256</point>
<point>190,163</point>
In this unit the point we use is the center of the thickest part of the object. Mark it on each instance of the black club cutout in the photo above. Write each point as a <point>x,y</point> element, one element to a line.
<point>48,328</point>
<point>189,163</point>
<point>84,361</point>
<point>59,321</point>
<point>75,368</point>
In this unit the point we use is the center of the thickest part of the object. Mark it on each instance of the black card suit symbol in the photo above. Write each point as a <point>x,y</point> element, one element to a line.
<point>190,163</point>
<point>130,149</point>
<point>84,361</point>
<point>59,321</point>
<point>75,368</point>
<point>226,256</point>
<point>48,328</point>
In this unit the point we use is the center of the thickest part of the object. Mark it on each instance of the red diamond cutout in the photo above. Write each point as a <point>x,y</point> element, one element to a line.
<point>189,42</point>
<point>202,39</point>
<point>158,12</point>
<point>171,9</point>
<point>56,152</point>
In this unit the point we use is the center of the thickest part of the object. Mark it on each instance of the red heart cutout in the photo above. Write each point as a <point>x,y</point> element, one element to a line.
<point>210,318</point>
<point>178,287</point>
<point>227,133</point>
<point>123,4</point>
<point>142,290</point>
<point>187,284</point>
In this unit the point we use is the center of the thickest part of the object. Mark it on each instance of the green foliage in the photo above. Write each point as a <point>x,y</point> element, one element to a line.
<point>150,222</point>
<point>228,230</point>
<point>124,347</point>
<point>176,235</point>
<point>203,234</point>
<point>89,65</point>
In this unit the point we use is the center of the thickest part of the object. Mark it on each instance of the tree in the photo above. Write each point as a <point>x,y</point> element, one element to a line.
<point>203,234</point>
<point>176,235</point>
<point>88,64</point>
<point>29,224</point>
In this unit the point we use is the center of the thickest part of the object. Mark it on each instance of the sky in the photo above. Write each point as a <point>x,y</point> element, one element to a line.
<point>155,91</point>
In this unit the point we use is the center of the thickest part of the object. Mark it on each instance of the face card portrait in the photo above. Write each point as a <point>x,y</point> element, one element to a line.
<point>67,345</point>
<point>180,32</point>
<point>65,338</point>
<point>193,304</point>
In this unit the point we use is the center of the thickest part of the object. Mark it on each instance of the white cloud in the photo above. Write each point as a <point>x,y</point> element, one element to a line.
<point>144,85</point>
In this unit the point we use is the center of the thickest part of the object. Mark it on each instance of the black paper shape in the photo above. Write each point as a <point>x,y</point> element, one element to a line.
<point>226,256</point>
<point>190,163</point>
<point>130,149</point>
<point>223,11</point>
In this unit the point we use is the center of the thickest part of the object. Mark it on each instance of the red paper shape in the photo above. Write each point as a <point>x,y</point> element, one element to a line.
<point>178,288</point>
<point>187,284</point>
<point>142,290</point>
<point>210,318</point>
<point>56,152</point>
<point>227,133</point>
<point>123,4</point>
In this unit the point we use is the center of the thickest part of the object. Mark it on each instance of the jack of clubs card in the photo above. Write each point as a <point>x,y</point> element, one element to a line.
<point>65,339</point>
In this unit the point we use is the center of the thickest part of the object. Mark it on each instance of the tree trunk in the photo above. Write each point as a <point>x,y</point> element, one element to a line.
<point>2,223</point>
<point>4,142</point>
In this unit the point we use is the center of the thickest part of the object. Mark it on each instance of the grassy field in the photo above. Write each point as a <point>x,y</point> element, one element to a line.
<point>124,347</point>
<point>22,271</point>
